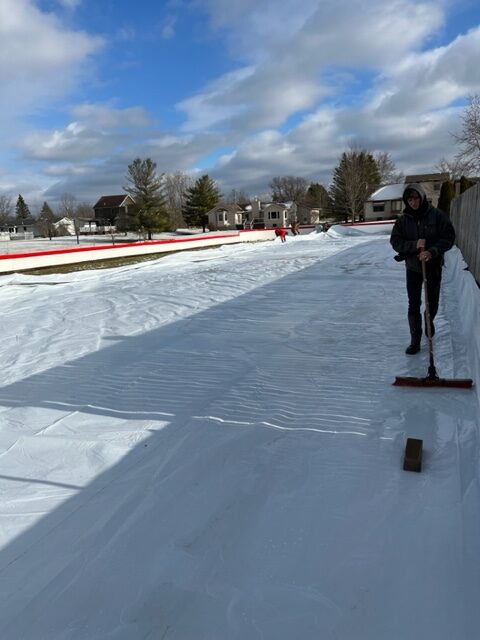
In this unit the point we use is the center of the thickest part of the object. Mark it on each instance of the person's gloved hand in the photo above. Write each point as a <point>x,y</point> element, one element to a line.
<point>424,256</point>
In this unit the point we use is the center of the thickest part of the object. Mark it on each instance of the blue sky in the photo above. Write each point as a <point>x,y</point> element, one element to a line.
<point>245,90</point>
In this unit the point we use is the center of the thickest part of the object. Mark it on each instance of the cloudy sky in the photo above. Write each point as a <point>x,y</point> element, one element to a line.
<point>243,90</point>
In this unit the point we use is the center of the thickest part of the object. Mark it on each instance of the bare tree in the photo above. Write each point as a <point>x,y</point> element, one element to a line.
<point>455,168</point>
<point>237,196</point>
<point>288,189</point>
<point>66,207</point>
<point>387,169</point>
<point>469,137</point>
<point>176,187</point>
<point>6,209</point>
<point>84,210</point>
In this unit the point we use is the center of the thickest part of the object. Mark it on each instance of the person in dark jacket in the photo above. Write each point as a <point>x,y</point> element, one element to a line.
<point>422,234</point>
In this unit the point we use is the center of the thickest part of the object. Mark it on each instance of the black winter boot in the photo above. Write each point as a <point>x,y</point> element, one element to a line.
<point>415,324</point>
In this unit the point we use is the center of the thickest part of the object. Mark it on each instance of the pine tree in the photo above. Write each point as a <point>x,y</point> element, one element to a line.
<point>46,220</point>
<point>22,212</point>
<point>201,198</point>
<point>465,183</point>
<point>447,194</point>
<point>354,179</point>
<point>317,196</point>
<point>147,190</point>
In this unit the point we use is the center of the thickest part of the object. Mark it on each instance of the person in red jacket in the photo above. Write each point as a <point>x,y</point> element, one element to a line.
<point>281,233</point>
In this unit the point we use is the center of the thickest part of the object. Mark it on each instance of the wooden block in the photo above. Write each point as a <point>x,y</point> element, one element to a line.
<point>413,455</point>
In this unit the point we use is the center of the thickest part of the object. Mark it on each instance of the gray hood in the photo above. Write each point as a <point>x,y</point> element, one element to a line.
<point>419,189</point>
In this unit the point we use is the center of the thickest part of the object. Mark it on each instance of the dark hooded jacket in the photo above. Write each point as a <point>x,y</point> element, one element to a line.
<point>425,222</point>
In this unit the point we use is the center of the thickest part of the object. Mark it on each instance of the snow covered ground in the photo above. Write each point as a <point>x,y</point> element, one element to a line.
<point>70,242</point>
<point>209,447</point>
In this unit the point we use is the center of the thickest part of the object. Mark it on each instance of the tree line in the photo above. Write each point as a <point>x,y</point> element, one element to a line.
<point>358,174</point>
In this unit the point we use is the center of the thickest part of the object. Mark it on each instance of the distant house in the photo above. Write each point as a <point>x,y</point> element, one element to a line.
<point>386,203</point>
<point>83,226</point>
<point>109,208</point>
<point>431,182</point>
<point>271,214</point>
<point>307,214</point>
<point>65,226</point>
<point>257,215</point>
<point>226,216</point>
<point>276,214</point>
<point>13,230</point>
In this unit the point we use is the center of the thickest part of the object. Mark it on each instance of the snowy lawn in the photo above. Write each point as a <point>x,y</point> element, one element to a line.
<point>209,447</point>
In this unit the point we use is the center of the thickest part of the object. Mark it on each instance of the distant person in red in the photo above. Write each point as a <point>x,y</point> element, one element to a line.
<point>281,233</point>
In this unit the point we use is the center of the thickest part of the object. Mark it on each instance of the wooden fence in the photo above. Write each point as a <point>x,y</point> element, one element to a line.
<point>465,215</point>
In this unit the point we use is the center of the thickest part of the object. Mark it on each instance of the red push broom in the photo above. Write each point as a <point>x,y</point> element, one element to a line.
<point>432,379</point>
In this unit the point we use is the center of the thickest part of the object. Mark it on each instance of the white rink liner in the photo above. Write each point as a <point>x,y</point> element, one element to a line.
<point>209,446</point>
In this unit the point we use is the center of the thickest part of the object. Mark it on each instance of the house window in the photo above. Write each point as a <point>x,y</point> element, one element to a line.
<point>397,205</point>
<point>221,217</point>
<point>273,215</point>
<point>379,208</point>
<point>437,186</point>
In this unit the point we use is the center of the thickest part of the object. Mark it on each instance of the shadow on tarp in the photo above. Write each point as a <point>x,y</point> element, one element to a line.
<point>166,371</point>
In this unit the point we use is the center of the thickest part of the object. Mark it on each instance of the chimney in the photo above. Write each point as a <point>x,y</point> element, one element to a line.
<point>255,207</point>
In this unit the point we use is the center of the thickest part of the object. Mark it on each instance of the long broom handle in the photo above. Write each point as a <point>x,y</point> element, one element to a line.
<point>431,371</point>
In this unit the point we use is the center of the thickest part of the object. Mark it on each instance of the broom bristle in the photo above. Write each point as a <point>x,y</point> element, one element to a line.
<point>460,383</point>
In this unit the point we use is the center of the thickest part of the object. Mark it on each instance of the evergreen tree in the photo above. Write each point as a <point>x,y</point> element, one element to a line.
<point>46,220</point>
<point>355,178</point>
<point>201,198</point>
<point>447,194</point>
<point>318,197</point>
<point>465,183</point>
<point>22,212</point>
<point>147,190</point>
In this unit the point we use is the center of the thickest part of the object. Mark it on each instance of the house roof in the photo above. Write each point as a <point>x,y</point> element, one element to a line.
<point>111,201</point>
<point>228,207</point>
<point>428,177</point>
<point>283,205</point>
<point>388,192</point>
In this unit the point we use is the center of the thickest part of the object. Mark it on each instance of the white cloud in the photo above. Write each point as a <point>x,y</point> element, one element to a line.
<point>97,131</point>
<point>108,117</point>
<point>69,4</point>
<point>96,147</point>
<point>291,61</point>
<point>40,58</point>
<point>168,27</point>
<point>433,79</point>
<point>336,72</point>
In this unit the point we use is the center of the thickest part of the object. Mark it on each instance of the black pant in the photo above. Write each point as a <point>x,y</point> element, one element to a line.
<point>414,289</point>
